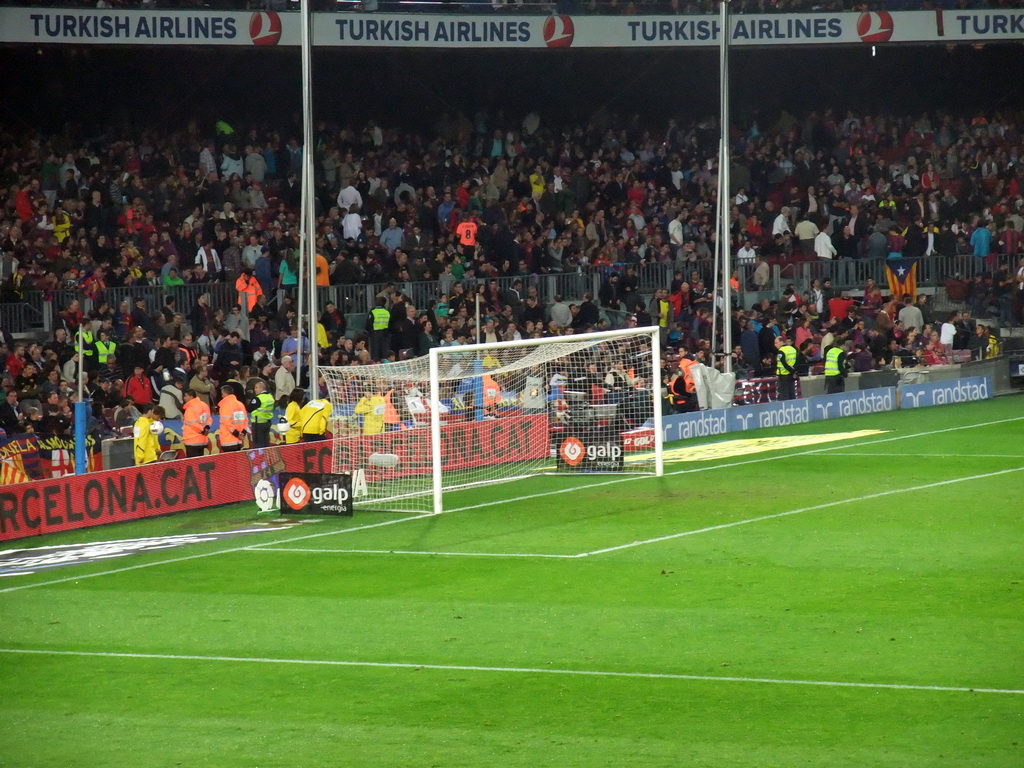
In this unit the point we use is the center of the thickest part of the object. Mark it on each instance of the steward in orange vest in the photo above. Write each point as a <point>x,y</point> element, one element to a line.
<point>234,420</point>
<point>248,288</point>
<point>195,427</point>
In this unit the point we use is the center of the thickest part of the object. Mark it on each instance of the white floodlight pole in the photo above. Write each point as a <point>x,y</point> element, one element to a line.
<point>307,227</point>
<point>725,32</point>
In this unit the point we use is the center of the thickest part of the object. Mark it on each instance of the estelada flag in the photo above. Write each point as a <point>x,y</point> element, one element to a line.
<point>902,276</point>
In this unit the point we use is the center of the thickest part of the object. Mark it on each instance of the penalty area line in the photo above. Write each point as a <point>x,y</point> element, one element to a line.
<point>727,465</point>
<point>408,552</point>
<point>520,670</point>
<point>185,558</point>
<point>826,505</point>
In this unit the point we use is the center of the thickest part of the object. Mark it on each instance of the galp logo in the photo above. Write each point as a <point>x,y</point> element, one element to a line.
<point>265,28</point>
<point>875,27</point>
<point>296,493</point>
<point>572,451</point>
<point>559,31</point>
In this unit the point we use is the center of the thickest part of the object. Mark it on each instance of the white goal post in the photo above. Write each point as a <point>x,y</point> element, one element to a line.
<point>479,414</point>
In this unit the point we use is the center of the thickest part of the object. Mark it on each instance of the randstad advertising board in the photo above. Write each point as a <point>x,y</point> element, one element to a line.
<point>782,414</point>
<point>384,30</point>
<point>965,390</point>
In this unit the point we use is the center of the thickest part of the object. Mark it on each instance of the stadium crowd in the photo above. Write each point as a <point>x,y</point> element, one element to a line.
<point>479,207</point>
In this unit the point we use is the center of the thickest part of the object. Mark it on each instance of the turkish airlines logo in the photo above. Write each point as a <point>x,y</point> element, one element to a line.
<point>572,451</point>
<point>265,28</point>
<point>875,27</point>
<point>296,494</point>
<point>559,31</point>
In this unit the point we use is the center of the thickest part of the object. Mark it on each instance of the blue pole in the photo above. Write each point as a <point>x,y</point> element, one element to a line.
<point>81,452</point>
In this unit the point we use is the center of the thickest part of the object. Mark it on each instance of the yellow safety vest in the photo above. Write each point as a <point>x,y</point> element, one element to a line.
<point>789,353</point>
<point>832,361</point>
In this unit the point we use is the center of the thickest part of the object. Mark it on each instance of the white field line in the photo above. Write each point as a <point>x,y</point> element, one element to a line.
<point>710,466</point>
<point>517,670</point>
<point>840,452</point>
<point>410,552</point>
<point>838,502</point>
<point>230,550</point>
<point>184,558</point>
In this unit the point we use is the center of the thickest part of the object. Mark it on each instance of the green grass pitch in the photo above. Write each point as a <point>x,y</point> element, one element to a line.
<point>853,603</point>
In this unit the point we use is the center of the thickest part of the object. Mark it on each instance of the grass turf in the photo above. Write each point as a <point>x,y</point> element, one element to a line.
<point>916,588</point>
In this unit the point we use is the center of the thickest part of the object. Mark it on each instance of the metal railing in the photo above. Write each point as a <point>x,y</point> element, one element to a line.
<point>358,299</point>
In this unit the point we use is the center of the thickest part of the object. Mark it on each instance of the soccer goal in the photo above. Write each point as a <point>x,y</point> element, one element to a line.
<point>487,413</point>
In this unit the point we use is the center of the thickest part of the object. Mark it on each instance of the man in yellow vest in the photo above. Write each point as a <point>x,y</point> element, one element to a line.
<point>87,353</point>
<point>836,368</point>
<point>313,419</point>
<point>261,413</point>
<point>234,421</point>
<point>146,433</point>
<point>377,324</point>
<point>785,369</point>
<point>105,350</point>
<point>196,424</point>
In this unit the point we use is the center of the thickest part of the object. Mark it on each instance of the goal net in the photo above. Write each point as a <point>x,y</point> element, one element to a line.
<point>486,413</point>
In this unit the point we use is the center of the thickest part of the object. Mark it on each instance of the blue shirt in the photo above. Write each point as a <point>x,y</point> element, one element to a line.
<point>391,238</point>
<point>981,239</point>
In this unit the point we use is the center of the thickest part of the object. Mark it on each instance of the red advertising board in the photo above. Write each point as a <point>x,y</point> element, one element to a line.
<point>184,485</point>
<point>464,445</point>
<point>97,498</point>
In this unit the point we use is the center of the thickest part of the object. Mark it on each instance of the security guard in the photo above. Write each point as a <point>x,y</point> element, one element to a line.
<point>683,388</point>
<point>261,413</point>
<point>378,321</point>
<point>87,353</point>
<point>234,421</point>
<point>785,369</point>
<point>146,432</point>
<point>195,427</point>
<point>313,420</point>
<point>836,368</point>
<point>105,350</point>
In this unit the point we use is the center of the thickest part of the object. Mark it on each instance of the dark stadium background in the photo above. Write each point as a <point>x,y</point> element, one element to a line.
<point>47,88</point>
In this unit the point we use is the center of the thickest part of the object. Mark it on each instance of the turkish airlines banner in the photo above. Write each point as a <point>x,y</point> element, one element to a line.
<point>382,30</point>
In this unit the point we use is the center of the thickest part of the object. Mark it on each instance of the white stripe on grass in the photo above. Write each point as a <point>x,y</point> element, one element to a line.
<point>408,552</point>
<point>710,466</point>
<point>185,558</point>
<point>506,500</point>
<point>826,505</point>
<point>518,670</point>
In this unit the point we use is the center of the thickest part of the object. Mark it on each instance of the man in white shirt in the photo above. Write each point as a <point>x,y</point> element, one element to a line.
<point>781,224</point>
<point>348,197</point>
<point>948,331</point>
<point>823,247</point>
<point>675,232</point>
<point>351,224</point>
<point>284,379</point>
<point>208,259</point>
<point>746,253</point>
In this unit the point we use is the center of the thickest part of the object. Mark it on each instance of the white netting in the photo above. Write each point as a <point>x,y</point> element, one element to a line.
<point>569,404</point>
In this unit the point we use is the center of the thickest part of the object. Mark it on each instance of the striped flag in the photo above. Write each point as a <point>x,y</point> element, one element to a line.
<point>902,276</point>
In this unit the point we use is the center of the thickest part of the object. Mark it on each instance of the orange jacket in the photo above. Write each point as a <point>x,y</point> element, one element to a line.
<point>233,418</point>
<point>197,416</point>
<point>686,366</point>
<point>249,290</point>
